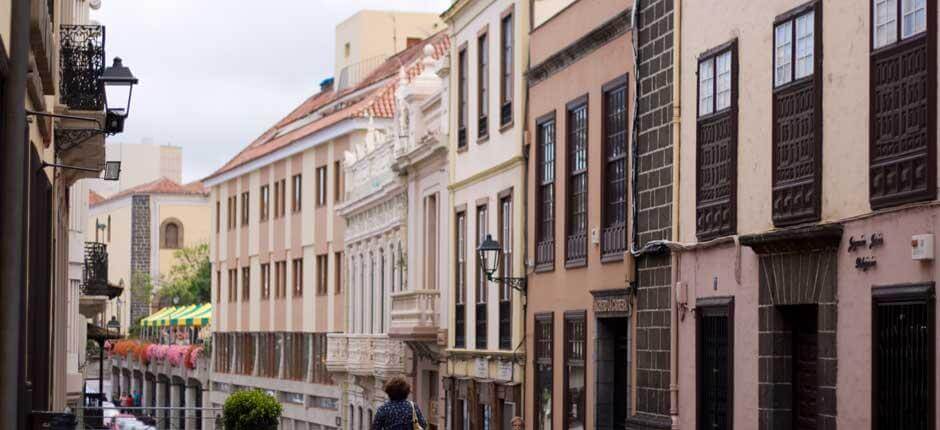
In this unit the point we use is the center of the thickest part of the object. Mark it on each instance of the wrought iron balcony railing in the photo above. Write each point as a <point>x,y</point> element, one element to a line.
<point>80,65</point>
<point>95,273</point>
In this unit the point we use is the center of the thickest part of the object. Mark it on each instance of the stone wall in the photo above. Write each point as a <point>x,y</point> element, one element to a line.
<point>654,194</point>
<point>140,256</point>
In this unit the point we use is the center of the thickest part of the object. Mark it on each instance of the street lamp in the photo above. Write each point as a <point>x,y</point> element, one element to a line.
<point>118,83</point>
<point>490,253</point>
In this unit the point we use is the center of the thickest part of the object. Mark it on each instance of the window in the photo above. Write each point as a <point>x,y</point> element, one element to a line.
<point>430,242</point>
<point>576,243</point>
<point>614,184</point>
<point>218,286</point>
<point>483,86</point>
<point>903,100</point>
<point>245,208</point>
<point>297,270</point>
<point>322,262</point>
<point>460,287</point>
<point>280,198</point>
<point>574,370</point>
<point>295,365</point>
<point>545,211</point>
<point>412,41</point>
<point>337,181</point>
<point>800,28</point>
<point>246,283</point>
<point>280,279</point>
<point>462,93</point>
<point>481,290</point>
<point>246,353</point>
<point>218,217</point>
<point>265,198</point>
<point>716,146</point>
<point>506,69</point>
<point>505,268</point>
<point>903,345</point>
<point>109,228</point>
<point>232,285</point>
<point>544,370</point>
<point>172,235</point>
<point>797,119</point>
<point>269,354</point>
<point>232,212</point>
<point>265,280</point>
<point>321,186</point>
<point>297,189</point>
<point>320,374</point>
<point>338,260</point>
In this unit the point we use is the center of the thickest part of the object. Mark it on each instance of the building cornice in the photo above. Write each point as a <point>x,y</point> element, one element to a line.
<point>479,176</point>
<point>580,48</point>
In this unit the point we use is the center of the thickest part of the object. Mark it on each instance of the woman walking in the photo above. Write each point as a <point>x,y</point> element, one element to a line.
<point>398,413</point>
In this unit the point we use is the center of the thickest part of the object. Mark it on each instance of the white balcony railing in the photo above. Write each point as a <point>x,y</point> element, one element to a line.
<point>337,352</point>
<point>415,314</point>
<point>365,354</point>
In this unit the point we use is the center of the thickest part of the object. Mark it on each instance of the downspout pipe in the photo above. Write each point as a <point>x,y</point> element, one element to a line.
<point>14,164</point>
<point>676,200</point>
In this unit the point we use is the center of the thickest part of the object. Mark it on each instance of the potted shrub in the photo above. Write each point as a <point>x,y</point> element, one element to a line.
<point>251,410</point>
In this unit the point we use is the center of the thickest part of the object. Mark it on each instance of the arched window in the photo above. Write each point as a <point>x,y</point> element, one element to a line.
<point>171,234</point>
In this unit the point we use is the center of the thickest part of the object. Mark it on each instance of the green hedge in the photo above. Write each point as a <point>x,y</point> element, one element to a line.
<point>251,410</point>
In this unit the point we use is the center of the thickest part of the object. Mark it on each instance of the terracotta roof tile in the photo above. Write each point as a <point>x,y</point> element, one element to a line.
<point>159,186</point>
<point>377,102</point>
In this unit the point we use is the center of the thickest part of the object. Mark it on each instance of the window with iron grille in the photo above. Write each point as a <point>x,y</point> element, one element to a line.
<point>716,146</point>
<point>264,196</point>
<point>297,193</point>
<point>462,92</point>
<point>576,241</point>
<point>505,269</point>
<point>460,278</point>
<point>245,211</point>
<point>797,117</point>
<point>614,183</point>
<point>246,283</point>
<point>482,283</point>
<point>483,86</point>
<point>265,280</point>
<point>904,345</point>
<point>903,103</point>
<point>297,273</point>
<point>544,370</point>
<point>545,211</point>
<point>506,68</point>
<point>575,350</point>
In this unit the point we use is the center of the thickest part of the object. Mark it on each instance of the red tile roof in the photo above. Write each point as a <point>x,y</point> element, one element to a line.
<point>360,102</point>
<point>159,186</point>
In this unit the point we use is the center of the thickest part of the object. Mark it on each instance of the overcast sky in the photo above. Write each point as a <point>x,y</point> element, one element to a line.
<point>214,74</point>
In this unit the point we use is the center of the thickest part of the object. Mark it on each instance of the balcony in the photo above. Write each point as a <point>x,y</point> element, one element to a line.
<point>81,63</point>
<point>95,273</point>
<point>41,42</point>
<point>365,354</point>
<point>415,315</point>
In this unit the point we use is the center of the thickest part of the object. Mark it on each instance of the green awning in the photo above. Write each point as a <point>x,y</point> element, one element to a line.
<point>151,319</point>
<point>199,317</point>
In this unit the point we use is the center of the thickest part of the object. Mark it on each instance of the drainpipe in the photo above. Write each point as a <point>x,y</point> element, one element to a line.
<point>13,179</point>
<point>676,200</point>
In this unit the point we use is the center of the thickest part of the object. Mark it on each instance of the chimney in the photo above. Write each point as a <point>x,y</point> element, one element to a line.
<point>326,85</point>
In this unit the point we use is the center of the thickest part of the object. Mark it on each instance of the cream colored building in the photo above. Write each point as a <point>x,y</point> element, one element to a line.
<point>489,56</point>
<point>365,40</point>
<point>142,228</point>
<point>141,163</point>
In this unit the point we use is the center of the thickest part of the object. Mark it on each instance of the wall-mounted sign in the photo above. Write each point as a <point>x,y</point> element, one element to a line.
<point>504,371</point>
<point>612,303</point>
<point>481,368</point>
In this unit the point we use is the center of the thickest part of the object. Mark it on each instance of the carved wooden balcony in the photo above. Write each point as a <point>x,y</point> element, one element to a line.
<point>415,315</point>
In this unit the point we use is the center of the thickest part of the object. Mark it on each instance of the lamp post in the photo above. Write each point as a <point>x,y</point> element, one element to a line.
<point>490,253</point>
<point>118,83</point>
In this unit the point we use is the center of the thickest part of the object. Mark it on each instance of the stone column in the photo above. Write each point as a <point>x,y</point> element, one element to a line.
<point>174,414</point>
<point>145,399</point>
<point>160,414</point>
<point>191,407</point>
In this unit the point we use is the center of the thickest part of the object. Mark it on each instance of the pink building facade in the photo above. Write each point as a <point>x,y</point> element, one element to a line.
<point>804,263</point>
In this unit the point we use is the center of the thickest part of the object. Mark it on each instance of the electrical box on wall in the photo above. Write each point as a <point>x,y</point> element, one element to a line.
<point>922,247</point>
